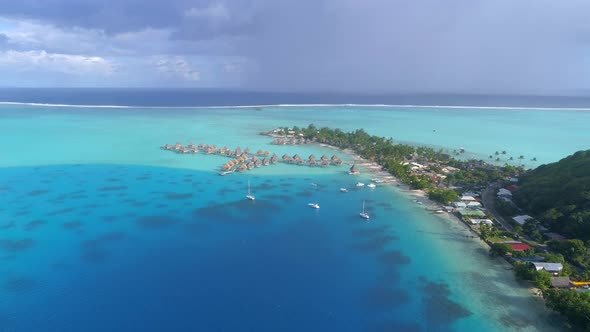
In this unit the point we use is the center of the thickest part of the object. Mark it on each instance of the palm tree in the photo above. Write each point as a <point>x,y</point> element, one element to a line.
<point>497,159</point>
<point>491,157</point>
<point>497,153</point>
<point>504,152</point>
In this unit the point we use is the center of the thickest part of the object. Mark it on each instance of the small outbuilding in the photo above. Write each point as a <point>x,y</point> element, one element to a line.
<point>561,282</point>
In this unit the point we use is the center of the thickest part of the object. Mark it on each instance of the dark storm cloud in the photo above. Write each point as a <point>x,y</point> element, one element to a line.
<point>188,19</point>
<point>537,46</point>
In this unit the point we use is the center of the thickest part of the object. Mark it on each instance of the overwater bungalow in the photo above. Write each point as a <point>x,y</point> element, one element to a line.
<point>258,163</point>
<point>324,157</point>
<point>238,151</point>
<point>297,159</point>
<point>354,170</point>
<point>311,157</point>
<point>166,147</point>
<point>274,158</point>
<point>267,153</point>
<point>177,146</point>
<point>335,160</point>
<point>200,147</point>
<point>191,145</point>
<point>265,161</point>
<point>242,167</point>
<point>325,163</point>
<point>312,162</point>
<point>247,150</point>
<point>286,158</point>
<point>260,152</point>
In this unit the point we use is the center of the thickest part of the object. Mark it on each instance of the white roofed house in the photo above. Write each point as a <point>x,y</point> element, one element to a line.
<point>459,205</point>
<point>549,267</point>
<point>521,219</point>
<point>504,193</point>
<point>466,198</point>
<point>473,204</point>
<point>482,221</point>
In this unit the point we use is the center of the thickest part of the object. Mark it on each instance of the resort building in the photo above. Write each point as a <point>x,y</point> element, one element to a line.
<point>465,198</point>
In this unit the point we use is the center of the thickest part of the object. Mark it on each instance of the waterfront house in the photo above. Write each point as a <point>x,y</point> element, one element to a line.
<point>521,219</point>
<point>467,198</point>
<point>504,193</point>
<point>354,170</point>
<point>549,267</point>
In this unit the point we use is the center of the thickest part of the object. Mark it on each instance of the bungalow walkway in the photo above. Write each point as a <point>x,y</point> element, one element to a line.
<point>243,160</point>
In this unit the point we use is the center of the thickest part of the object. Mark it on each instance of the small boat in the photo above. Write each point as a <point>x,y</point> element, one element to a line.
<point>314,184</point>
<point>360,184</point>
<point>313,205</point>
<point>371,185</point>
<point>364,214</point>
<point>343,190</point>
<point>439,211</point>
<point>225,173</point>
<point>250,196</point>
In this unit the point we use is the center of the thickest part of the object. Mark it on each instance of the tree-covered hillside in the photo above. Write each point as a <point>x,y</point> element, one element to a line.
<point>558,194</point>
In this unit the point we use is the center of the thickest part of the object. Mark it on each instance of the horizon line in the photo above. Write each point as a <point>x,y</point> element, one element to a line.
<point>298,105</point>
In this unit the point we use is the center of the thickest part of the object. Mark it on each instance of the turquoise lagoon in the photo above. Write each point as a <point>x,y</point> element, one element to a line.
<point>101,230</point>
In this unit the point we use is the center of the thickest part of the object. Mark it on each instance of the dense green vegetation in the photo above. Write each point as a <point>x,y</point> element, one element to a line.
<point>558,195</point>
<point>444,196</point>
<point>575,306</point>
<point>394,158</point>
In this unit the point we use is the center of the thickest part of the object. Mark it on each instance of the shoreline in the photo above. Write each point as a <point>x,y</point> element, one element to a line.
<point>418,195</point>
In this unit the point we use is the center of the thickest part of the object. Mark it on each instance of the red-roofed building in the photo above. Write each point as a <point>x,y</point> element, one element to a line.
<point>512,188</point>
<point>519,246</point>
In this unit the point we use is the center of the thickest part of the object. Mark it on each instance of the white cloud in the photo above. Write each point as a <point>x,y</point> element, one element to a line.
<point>56,62</point>
<point>177,67</point>
<point>214,12</point>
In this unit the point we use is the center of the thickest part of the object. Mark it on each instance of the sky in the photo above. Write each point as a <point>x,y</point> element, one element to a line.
<point>368,46</point>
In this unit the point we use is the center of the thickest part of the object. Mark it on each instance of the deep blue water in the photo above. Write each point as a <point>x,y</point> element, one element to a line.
<point>120,248</point>
<point>215,97</point>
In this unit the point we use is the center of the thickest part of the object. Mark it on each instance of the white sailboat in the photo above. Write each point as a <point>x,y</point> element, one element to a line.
<point>250,196</point>
<point>363,214</point>
<point>314,205</point>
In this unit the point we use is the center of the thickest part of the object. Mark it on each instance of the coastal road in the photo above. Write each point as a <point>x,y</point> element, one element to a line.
<point>488,199</point>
